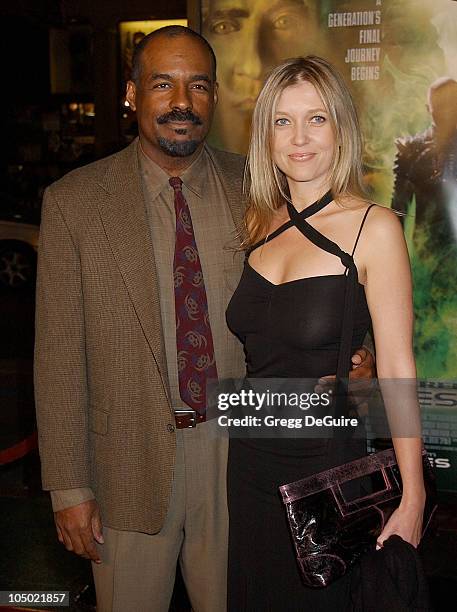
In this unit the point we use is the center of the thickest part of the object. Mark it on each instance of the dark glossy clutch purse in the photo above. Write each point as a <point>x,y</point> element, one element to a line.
<point>334,518</point>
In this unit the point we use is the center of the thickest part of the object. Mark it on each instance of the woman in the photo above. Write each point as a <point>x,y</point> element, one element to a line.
<point>305,161</point>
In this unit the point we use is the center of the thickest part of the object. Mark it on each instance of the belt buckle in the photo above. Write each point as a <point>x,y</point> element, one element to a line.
<point>192,414</point>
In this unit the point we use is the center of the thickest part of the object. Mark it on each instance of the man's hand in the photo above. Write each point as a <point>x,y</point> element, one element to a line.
<point>78,527</point>
<point>361,383</point>
<point>363,365</point>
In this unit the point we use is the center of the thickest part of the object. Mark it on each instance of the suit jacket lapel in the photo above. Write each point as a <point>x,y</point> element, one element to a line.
<point>230,174</point>
<point>124,218</point>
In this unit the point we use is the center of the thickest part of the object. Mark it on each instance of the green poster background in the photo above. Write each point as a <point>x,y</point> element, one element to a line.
<point>390,52</point>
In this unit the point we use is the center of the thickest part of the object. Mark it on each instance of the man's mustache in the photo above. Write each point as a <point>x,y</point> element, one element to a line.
<point>177,115</point>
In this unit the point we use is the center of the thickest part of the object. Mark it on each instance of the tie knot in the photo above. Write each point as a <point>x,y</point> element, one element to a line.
<point>175,182</point>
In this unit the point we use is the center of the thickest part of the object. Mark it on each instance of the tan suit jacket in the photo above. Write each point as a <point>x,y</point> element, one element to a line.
<point>103,410</point>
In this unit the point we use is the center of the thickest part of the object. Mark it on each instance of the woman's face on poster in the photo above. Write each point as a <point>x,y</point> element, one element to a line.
<point>250,37</point>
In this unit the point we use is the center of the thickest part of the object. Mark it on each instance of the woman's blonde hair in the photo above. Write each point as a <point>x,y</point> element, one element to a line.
<point>265,185</point>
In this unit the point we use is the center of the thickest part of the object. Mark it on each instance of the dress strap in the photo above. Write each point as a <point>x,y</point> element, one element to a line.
<point>310,210</point>
<point>344,356</point>
<point>317,238</point>
<point>360,228</point>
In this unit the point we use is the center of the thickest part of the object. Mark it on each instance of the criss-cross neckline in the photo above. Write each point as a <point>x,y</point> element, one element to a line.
<point>298,219</point>
<point>315,207</point>
<point>312,209</point>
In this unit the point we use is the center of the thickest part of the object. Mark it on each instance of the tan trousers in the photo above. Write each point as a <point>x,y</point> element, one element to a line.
<point>137,572</point>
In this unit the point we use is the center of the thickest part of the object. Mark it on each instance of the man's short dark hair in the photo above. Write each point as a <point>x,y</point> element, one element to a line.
<point>170,32</point>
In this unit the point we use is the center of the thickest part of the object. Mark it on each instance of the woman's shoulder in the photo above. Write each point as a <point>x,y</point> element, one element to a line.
<point>382,222</point>
<point>381,232</point>
<point>376,217</point>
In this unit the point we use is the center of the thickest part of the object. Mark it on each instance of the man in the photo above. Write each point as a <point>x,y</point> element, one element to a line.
<point>112,365</point>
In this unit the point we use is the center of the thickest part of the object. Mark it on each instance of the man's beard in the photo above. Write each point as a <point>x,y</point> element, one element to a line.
<point>178,149</point>
<point>172,147</point>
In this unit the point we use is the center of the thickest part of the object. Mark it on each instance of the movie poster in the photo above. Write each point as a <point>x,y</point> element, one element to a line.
<point>400,59</point>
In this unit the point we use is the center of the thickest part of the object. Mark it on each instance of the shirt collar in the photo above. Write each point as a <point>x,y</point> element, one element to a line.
<point>192,177</point>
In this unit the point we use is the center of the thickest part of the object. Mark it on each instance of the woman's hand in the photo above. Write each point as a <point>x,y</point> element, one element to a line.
<point>405,521</point>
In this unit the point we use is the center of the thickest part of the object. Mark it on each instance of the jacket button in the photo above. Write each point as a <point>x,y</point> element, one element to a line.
<point>170,427</point>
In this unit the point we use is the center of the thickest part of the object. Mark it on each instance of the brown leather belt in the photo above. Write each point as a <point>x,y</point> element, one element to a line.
<point>188,418</point>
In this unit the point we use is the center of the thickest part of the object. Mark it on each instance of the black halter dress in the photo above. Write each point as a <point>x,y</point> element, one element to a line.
<point>290,330</point>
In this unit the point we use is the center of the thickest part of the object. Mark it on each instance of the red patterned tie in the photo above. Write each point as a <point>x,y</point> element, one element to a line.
<point>194,341</point>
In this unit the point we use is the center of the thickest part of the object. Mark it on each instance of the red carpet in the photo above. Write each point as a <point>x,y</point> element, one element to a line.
<point>15,609</point>
<point>19,450</point>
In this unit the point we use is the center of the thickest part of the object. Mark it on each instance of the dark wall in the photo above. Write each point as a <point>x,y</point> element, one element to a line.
<point>112,11</point>
<point>104,16</point>
<point>24,56</point>
<point>24,47</point>
<point>24,51</point>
